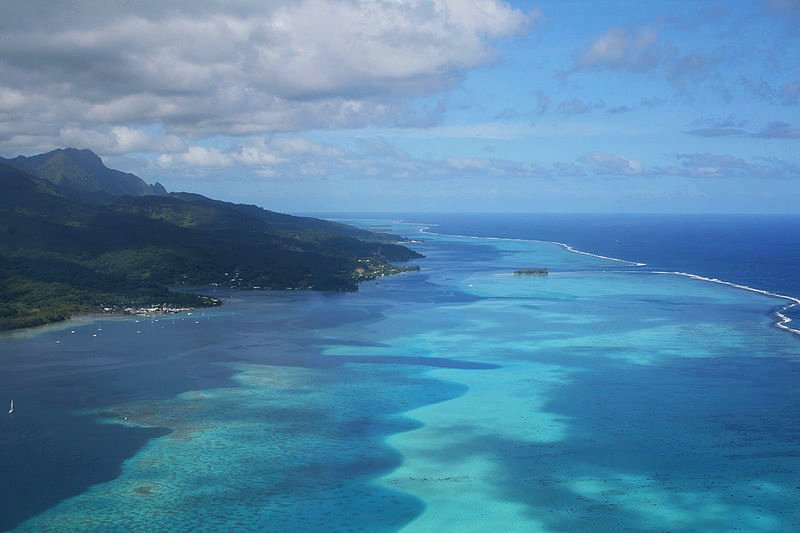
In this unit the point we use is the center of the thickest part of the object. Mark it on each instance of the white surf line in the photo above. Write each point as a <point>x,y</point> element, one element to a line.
<point>783,319</point>
<point>573,250</point>
<point>567,247</point>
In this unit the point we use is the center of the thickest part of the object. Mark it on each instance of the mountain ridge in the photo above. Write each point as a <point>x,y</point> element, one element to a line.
<point>65,250</point>
<point>82,170</point>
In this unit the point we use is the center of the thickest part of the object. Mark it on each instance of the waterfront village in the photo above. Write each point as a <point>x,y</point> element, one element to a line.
<point>370,269</point>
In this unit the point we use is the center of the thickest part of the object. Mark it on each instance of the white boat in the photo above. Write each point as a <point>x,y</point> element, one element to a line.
<point>11,409</point>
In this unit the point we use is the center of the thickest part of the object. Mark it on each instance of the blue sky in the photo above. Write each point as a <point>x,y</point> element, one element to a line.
<point>420,105</point>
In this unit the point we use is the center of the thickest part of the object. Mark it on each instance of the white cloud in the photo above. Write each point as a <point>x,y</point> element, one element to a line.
<point>639,51</point>
<point>568,170</point>
<point>482,168</point>
<point>576,106</point>
<point>779,130</point>
<point>252,155</point>
<point>297,146</point>
<point>624,49</point>
<point>11,99</point>
<point>238,68</point>
<point>724,128</point>
<point>610,164</point>
<point>196,156</point>
<point>256,153</point>
<point>708,165</point>
<point>711,164</point>
<point>119,140</point>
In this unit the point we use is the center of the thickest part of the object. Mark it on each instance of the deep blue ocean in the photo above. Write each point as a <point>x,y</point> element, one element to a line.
<point>603,396</point>
<point>761,251</point>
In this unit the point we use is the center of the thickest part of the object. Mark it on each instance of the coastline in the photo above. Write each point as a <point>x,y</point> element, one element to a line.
<point>782,320</point>
<point>201,387</point>
<point>425,227</point>
<point>110,312</point>
<point>513,449</point>
<point>372,273</point>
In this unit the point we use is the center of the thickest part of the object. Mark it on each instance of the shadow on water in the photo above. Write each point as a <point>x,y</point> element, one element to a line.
<point>328,485</point>
<point>58,457</point>
<point>318,361</point>
<point>434,362</point>
<point>47,451</point>
<point>698,444</point>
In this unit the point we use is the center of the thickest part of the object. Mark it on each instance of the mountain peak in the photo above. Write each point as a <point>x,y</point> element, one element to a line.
<point>83,154</point>
<point>82,170</point>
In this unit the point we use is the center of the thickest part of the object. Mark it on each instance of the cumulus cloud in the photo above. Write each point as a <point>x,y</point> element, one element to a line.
<point>258,155</point>
<point>610,164</point>
<point>298,147</point>
<point>569,170</point>
<point>376,158</point>
<point>485,167</point>
<point>716,127</point>
<point>289,158</point>
<point>787,93</point>
<point>378,147</point>
<point>691,68</point>
<point>779,130</point>
<point>120,140</point>
<point>725,128</point>
<point>567,107</point>
<point>622,48</point>
<point>241,68</point>
<point>576,106</point>
<point>197,156</point>
<point>708,165</point>
<point>639,50</point>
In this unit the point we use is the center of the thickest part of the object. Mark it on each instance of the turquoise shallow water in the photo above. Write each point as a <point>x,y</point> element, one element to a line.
<point>600,397</point>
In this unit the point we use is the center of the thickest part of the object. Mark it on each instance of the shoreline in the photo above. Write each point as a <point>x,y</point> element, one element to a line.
<point>425,227</point>
<point>163,309</point>
<point>87,319</point>
<point>111,312</point>
<point>782,319</point>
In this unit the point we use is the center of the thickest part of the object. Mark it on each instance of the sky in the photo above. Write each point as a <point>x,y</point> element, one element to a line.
<point>419,105</point>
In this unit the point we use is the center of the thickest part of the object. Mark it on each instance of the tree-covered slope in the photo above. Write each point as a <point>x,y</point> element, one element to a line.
<point>59,255</point>
<point>82,170</point>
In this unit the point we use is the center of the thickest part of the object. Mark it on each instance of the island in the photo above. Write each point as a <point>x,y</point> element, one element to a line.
<point>531,272</point>
<point>78,237</point>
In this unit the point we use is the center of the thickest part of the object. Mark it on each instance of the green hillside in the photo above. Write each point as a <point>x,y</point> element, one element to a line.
<point>82,170</point>
<point>60,255</point>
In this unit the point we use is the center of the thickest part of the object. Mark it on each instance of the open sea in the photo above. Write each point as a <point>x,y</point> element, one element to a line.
<point>639,385</point>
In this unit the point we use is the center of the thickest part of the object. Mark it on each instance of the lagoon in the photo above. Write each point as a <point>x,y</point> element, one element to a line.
<point>602,396</point>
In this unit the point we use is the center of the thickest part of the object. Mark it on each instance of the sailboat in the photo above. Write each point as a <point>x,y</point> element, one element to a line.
<point>11,409</point>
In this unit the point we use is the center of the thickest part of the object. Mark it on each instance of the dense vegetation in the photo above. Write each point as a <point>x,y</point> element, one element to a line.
<point>81,171</point>
<point>65,250</point>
